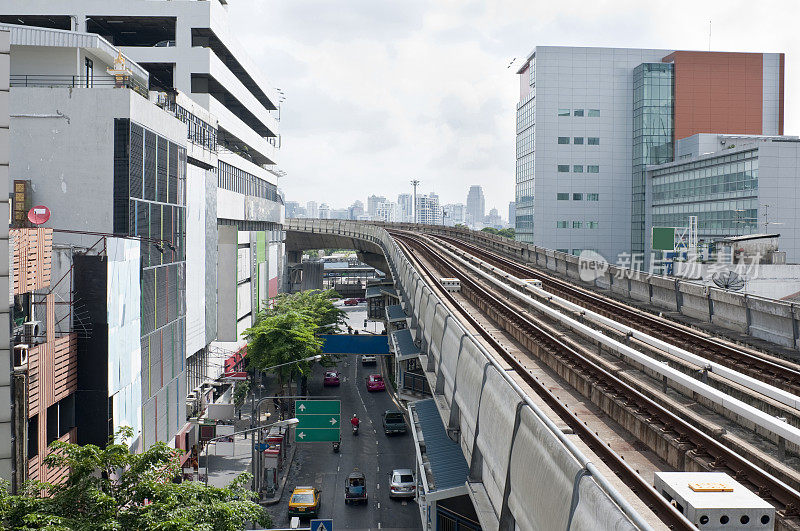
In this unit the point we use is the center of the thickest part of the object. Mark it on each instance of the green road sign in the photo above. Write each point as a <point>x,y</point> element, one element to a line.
<point>663,238</point>
<point>319,420</point>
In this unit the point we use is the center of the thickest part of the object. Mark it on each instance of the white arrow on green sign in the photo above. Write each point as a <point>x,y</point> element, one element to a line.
<point>318,420</point>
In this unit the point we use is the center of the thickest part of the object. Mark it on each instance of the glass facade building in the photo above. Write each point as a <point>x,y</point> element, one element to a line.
<point>526,111</point>
<point>653,101</point>
<point>722,191</point>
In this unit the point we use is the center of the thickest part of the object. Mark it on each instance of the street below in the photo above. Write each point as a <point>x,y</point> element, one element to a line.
<point>372,452</point>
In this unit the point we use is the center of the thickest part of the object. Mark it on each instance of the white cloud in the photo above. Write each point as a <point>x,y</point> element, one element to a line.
<point>380,92</point>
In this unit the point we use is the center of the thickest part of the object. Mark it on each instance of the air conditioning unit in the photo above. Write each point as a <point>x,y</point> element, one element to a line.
<point>191,406</point>
<point>20,357</point>
<point>33,332</point>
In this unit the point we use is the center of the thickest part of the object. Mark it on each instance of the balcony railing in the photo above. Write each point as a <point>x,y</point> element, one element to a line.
<point>59,81</point>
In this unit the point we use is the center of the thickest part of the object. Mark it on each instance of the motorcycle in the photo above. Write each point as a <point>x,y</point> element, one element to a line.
<point>336,446</point>
<point>355,429</point>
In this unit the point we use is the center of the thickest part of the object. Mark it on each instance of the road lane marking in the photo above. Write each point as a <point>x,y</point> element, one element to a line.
<point>378,486</point>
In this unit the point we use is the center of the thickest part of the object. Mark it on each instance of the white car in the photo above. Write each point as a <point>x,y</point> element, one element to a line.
<point>369,359</point>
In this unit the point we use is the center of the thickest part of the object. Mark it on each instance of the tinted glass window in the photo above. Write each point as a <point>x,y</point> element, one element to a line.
<point>578,112</point>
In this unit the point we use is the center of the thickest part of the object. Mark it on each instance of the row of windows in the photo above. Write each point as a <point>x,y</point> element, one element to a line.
<point>232,178</point>
<point>578,140</point>
<point>564,196</point>
<point>577,224</point>
<point>591,113</point>
<point>525,142</point>
<point>578,168</point>
<point>525,115</point>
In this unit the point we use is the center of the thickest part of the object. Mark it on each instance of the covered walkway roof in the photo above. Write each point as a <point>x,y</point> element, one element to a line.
<point>403,343</point>
<point>395,313</point>
<point>447,466</point>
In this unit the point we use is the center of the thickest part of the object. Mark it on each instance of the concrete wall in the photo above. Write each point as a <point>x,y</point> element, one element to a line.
<point>512,447</point>
<point>6,450</point>
<point>195,259</point>
<point>77,128</point>
<point>226,283</point>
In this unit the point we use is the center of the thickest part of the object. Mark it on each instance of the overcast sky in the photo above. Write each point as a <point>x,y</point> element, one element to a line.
<point>383,91</point>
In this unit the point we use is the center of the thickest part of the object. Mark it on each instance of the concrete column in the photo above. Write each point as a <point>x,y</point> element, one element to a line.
<point>7,440</point>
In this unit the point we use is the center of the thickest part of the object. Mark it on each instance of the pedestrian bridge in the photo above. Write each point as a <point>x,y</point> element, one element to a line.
<point>522,471</point>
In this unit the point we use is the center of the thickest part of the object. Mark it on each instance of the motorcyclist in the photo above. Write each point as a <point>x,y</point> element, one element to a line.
<point>354,421</point>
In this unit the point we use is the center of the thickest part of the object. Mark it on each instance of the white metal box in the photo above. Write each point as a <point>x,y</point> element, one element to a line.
<point>451,284</point>
<point>533,282</point>
<point>715,501</point>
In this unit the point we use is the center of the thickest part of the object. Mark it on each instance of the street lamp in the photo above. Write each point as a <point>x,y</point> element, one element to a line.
<point>287,422</point>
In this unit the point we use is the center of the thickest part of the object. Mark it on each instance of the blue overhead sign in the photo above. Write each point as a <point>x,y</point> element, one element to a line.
<point>321,525</point>
<point>354,344</point>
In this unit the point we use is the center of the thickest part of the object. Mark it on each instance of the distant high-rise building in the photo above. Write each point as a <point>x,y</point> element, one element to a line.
<point>292,209</point>
<point>356,210</point>
<point>512,212</point>
<point>494,220</point>
<point>387,212</point>
<point>428,210</point>
<point>476,205</point>
<point>405,204</point>
<point>372,204</point>
<point>600,116</point>
<point>324,211</point>
<point>454,214</point>
<point>312,210</point>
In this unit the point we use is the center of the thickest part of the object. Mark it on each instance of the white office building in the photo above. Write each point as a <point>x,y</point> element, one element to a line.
<point>405,204</point>
<point>454,214</point>
<point>428,210</point>
<point>476,206</point>
<point>590,120</point>
<point>387,211</point>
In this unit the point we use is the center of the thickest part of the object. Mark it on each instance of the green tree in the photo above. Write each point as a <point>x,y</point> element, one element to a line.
<point>317,304</point>
<point>241,392</point>
<point>508,233</point>
<point>282,337</point>
<point>490,230</point>
<point>113,489</point>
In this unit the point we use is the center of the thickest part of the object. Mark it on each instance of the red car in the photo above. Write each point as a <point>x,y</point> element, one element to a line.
<point>351,302</point>
<point>375,383</point>
<point>331,379</point>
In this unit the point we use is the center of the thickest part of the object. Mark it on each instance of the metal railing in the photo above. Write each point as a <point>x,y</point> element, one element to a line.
<point>60,81</point>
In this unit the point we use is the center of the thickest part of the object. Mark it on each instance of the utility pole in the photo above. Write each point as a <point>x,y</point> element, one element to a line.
<point>415,183</point>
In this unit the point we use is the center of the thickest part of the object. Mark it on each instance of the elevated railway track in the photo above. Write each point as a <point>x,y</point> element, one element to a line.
<point>679,442</point>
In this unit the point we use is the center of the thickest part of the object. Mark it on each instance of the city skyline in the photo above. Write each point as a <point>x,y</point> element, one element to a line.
<point>447,117</point>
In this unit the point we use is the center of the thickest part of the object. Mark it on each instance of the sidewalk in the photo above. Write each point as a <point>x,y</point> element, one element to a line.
<point>222,469</point>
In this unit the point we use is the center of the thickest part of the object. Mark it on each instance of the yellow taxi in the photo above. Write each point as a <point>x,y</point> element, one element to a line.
<point>304,502</point>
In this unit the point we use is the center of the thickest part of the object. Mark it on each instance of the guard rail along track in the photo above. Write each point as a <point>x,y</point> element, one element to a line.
<point>512,447</point>
<point>704,448</point>
<point>775,321</point>
<point>778,373</point>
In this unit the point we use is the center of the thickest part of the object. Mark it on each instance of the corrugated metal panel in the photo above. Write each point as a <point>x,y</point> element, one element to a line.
<point>149,422</point>
<point>162,415</point>
<point>448,466</point>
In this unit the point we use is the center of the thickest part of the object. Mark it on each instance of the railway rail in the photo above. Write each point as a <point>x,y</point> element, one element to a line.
<point>779,373</point>
<point>704,450</point>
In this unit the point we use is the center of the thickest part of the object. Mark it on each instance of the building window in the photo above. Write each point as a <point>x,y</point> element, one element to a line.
<point>563,112</point>
<point>577,112</point>
<point>593,197</point>
<point>577,197</point>
<point>577,168</point>
<point>561,224</point>
<point>577,224</point>
<point>578,140</point>
<point>593,141</point>
<point>563,140</point>
<point>562,196</point>
<point>88,72</point>
<point>591,224</point>
<point>563,168</point>
<point>594,113</point>
<point>565,251</point>
<point>593,168</point>
<point>577,252</point>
